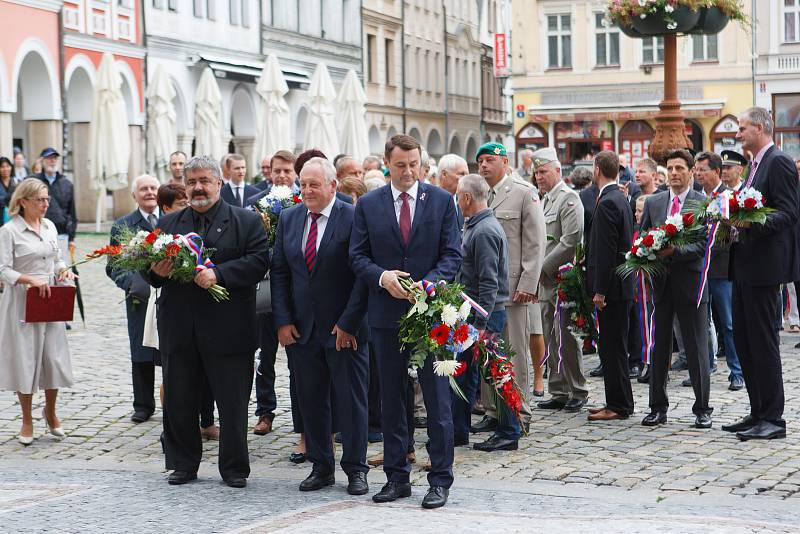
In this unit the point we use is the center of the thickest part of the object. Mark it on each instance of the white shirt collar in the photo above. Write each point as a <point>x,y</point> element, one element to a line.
<point>681,196</point>
<point>328,209</point>
<point>145,215</point>
<point>412,192</point>
<point>604,188</point>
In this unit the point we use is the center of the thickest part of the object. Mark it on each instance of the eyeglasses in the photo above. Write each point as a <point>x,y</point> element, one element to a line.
<point>43,200</point>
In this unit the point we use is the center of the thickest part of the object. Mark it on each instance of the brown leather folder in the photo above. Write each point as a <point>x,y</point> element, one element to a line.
<point>59,307</point>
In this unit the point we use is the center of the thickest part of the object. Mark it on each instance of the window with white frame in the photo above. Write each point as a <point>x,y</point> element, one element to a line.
<point>245,12</point>
<point>652,50</point>
<point>791,21</point>
<point>704,48</point>
<point>559,41</point>
<point>172,5</point>
<point>158,4</point>
<point>606,42</point>
<point>235,15</point>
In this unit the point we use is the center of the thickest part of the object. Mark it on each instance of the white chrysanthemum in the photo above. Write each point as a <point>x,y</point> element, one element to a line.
<point>280,192</point>
<point>449,315</point>
<point>676,220</point>
<point>161,242</point>
<point>750,192</point>
<point>463,311</point>
<point>713,208</point>
<point>445,368</point>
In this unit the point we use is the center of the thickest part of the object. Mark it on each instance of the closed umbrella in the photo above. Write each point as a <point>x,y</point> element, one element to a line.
<point>109,138</point>
<point>320,128</point>
<point>161,136</point>
<point>353,138</point>
<point>274,130</point>
<point>207,130</point>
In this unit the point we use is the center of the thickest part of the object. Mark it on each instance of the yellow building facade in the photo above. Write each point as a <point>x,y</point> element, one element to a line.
<point>582,86</point>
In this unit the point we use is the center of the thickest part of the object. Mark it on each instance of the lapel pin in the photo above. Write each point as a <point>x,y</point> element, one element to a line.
<point>422,196</point>
<point>219,229</point>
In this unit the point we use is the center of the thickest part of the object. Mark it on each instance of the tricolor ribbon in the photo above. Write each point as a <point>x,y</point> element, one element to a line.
<point>646,319</point>
<point>475,306</point>
<point>194,242</point>
<point>712,237</point>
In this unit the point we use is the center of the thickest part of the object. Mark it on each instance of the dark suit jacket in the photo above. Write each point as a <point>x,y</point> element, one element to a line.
<point>328,296</point>
<point>588,198</point>
<point>721,253</point>
<point>258,196</point>
<point>684,267</point>
<point>609,239</point>
<point>136,288</point>
<point>61,210</point>
<point>768,254</point>
<point>459,216</point>
<point>433,252</point>
<point>263,185</point>
<point>187,314</point>
<point>226,193</point>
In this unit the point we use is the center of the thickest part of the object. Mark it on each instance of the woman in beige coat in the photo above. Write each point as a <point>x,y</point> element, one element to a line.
<point>34,355</point>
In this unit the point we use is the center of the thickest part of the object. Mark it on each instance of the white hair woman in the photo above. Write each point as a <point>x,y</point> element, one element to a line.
<point>34,355</point>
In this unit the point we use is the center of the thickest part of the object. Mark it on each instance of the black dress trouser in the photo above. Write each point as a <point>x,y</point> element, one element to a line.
<point>613,349</point>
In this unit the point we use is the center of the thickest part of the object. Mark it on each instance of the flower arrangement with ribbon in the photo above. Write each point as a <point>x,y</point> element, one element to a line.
<point>279,198</point>
<point>493,356</point>
<point>142,249</point>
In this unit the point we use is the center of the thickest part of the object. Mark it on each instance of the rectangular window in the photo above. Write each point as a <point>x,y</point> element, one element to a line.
<point>652,50</point>
<point>388,61</point>
<point>158,4</point>
<point>791,21</point>
<point>233,10</point>
<point>172,5</point>
<point>372,56</point>
<point>704,48</point>
<point>607,41</point>
<point>245,13</point>
<point>559,42</point>
<point>211,9</point>
<point>199,10</point>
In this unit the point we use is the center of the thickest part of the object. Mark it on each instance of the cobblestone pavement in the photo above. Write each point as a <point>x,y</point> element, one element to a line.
<point>108,475</point>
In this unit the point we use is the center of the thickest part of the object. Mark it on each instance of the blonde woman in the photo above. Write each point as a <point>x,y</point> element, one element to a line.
<point>34,355</point>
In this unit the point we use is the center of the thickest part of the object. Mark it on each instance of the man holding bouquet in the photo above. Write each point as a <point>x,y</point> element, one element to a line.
<point>197,333</point>
<point>406,228</point>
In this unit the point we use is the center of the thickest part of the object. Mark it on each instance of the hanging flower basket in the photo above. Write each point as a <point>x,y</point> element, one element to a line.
<point>712,21</point>
<point>629,30</point>
<point>680,20</point>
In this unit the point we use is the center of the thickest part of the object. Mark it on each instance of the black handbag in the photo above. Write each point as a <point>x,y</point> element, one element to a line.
<point>263,296</point>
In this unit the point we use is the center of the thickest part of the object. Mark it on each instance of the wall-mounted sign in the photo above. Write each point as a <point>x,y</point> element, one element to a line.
<point>500,56</point>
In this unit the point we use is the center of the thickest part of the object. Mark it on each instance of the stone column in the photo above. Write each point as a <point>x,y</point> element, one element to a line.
<point>6,136</point>
<point>85,198</point>
<point>42,134</point>
<point>246,147</point>
<point>123,201</point>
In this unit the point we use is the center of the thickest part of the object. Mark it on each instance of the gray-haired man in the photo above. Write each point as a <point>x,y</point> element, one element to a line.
<point>197,334</point>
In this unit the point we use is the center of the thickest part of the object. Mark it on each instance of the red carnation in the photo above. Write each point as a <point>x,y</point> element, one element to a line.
<point>460,369</point>
<point>461,334</point>
<point>152,236</point>
<point>688,218</point>
<point>440,334</point>
<point>172,250</point>
<point>733,205</point>
<point>749,203</point>
<point>580,322</point>
<point>563,295</point>
<point>647,241</point>
<point>634,250</point>
<point>296,199</point>
<point>671,230</point>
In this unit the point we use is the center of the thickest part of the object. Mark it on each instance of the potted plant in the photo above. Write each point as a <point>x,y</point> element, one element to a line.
<point>715,14</point>
<point>639,18</point>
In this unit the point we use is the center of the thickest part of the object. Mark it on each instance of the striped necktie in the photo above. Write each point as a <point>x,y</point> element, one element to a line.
<point>311,243</point>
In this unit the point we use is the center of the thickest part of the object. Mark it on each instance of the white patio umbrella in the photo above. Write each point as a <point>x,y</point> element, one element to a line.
<point>320,128</point>
<point>353,137</point>
<point>207,129</point>
<point>274,120</point>
<point>109,138</point>
<point>162,139</point>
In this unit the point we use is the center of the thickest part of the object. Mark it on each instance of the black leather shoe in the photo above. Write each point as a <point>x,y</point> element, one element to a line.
<point>551,404</point>
<point>391,491</point>
<point>237,482</point>
<point>597,371</point>
<point>741,425</point>
<point>763,430</point>
<point>702,421</point>
<point>436,497</point>
<point>687,382</point>
<point>654,419</point>
<point>140,417</point>
<point>644,375</point>
<point>487,424</point>
<point>297,457</point>
<point>496,443</point>
<point>316,481</point>
<point>357,483</point>
<point>633,371</point>
<point>176,478</point>
<point>574,405</point>
<point>420,422</point>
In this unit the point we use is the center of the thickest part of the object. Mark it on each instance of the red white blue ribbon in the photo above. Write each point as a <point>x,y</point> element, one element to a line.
<point>475,306</point>
<point>194,242</point>
<point>712,237</point>
<point>647,320</point>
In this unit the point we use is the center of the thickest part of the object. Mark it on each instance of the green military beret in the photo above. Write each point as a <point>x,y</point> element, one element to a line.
<point>495,149</point>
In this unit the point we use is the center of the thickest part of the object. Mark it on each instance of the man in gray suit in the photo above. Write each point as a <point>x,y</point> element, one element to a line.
<point>675,293</point>
<point>563,217</point>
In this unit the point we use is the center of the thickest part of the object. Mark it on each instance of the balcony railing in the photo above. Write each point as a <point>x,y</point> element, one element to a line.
<point>783,63</point>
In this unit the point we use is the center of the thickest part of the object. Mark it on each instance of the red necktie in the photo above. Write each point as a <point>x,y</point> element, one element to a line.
<point>311,242</point>
<point>676,206</point>
<point>405,218</point>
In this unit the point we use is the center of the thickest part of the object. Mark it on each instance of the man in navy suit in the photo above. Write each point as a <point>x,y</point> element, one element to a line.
<point>137,291</point>
<point>320,309</point>
<point>764,257</point>
<point>406,228</point>
<point>236,191</point>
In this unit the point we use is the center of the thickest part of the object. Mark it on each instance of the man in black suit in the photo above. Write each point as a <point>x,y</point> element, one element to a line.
<point>137,292</point>
<point>320,310</point>
<point>609,238</point>
<point>198,334</point>
<point>236,191</point>
<point>675,294</point>
<point>451,168</point>
<point>764,257</point>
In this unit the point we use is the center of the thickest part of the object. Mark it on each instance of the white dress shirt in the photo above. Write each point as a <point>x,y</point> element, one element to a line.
<point>681,196</point>
<point>322,222</point>
<point>240,188</point>
<point>145,215</point>
<point>398,203</point>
